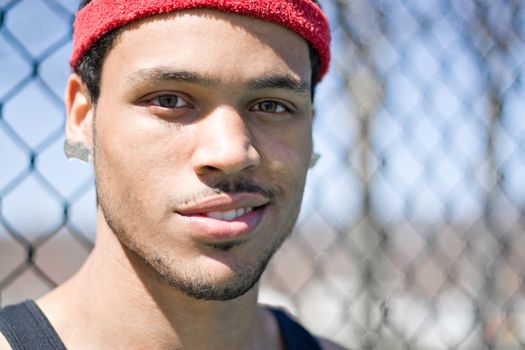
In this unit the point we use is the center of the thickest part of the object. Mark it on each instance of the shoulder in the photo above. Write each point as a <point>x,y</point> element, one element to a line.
<point>4,345</point>
<point>283,315</point>
<point>329,345</point>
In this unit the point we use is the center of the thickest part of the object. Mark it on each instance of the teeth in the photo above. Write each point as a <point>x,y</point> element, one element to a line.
<point>240,212</point>
<point>214,215</point>
<point>230,214</point>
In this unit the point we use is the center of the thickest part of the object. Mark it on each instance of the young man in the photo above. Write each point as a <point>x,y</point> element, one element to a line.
<point>197,115</point>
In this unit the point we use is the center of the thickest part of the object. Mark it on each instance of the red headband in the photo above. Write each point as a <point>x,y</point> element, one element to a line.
<point>301,16</point>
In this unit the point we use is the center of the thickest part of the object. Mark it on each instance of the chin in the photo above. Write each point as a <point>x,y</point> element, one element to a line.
<point>223,274</point>
<point>211,279</point>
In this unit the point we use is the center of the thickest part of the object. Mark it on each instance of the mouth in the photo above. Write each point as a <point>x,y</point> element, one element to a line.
<point>229,215</point>
<point>225,217</point>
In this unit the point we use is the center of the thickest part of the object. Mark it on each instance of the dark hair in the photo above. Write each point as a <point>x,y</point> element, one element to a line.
<point>89,67</point>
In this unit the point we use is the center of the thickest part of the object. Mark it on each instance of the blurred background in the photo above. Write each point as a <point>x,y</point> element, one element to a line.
<point>411,230</point>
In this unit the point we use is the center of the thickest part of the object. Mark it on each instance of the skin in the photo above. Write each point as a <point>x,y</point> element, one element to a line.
<point>153,162</point>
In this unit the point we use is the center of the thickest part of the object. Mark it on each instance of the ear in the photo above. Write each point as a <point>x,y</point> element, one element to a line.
<point>79,112</point>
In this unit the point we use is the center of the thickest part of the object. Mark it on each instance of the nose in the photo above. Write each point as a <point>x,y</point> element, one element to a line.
<point>224,144</point>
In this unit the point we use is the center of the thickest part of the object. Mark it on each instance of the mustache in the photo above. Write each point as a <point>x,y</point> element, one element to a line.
<point>230,187</point>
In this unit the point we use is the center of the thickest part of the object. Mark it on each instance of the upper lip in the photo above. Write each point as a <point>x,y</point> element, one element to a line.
<point>224,202</point>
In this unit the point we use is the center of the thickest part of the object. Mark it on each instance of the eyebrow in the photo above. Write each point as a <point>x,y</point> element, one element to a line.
<point>163,74</point>
<point>285,81</point>
<point>279,82</point>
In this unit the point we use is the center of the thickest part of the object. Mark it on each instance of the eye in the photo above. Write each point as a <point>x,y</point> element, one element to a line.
<point>170,101</point>
<point>270,107</point>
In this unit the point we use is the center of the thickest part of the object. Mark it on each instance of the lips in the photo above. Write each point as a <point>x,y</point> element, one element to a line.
<point>225,216</point>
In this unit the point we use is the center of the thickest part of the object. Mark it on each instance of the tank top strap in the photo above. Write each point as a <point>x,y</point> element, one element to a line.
<point>27,328</point>
<point>294,336</point>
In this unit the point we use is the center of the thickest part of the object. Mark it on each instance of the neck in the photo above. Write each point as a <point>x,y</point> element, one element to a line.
<point>116,293</point>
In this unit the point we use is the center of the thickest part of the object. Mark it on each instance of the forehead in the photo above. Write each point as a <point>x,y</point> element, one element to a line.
<point>226,47</point>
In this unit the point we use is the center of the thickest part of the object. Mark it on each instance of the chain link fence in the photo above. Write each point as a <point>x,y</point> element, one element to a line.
<point>411,231</point>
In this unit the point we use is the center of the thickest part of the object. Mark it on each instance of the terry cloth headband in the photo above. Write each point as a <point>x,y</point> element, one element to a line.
<point>301,16</point>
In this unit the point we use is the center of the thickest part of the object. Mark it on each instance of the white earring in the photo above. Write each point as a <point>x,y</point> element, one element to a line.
<point>78,151</point>
<point>314,159</point>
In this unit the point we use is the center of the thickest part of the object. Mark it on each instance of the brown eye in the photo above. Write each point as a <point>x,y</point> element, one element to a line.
<point>270,107</point>
<point>169,101</point>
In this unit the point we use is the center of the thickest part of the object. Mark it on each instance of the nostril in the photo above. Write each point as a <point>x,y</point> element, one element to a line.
<point>228,162</point>
<point>207,169</point>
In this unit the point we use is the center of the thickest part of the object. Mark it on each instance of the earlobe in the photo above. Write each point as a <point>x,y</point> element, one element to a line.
<point>79,112</point>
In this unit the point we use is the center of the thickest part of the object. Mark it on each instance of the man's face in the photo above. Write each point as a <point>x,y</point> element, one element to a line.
<point>202,142</point>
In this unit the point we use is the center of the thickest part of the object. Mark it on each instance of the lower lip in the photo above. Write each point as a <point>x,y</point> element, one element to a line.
<point>217,229</point>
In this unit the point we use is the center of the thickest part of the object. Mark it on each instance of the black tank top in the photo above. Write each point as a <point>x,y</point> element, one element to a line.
<point>27,328</point>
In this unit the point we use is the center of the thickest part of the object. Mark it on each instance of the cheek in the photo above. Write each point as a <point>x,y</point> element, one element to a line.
<point>290,149</point>
<point>288,158</point>
<point>137,162</point>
